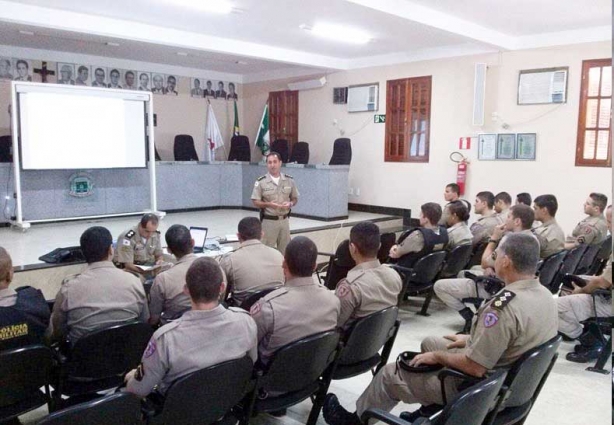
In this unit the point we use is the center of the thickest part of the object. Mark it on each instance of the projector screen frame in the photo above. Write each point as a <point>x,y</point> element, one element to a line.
<point>150,160</point>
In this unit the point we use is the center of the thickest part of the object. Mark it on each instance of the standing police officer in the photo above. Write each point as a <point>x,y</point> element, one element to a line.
<point>275,194</point>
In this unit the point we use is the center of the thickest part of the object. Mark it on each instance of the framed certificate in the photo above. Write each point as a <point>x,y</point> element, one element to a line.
<point>506,146</point>
<point>487,147</point>
<point>526,145</point>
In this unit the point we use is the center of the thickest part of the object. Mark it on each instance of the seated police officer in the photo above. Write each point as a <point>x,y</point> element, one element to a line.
<point>593,229</point>
<point>253,265</point>
<point>298,309</point>
<point>139,245</point>
<point>416,243</point>
<point>167,295</point>
<point>520,317</point>
<point>550,235</point>
<point>206,335</point>
<point>24,314</point>
<point>100,296</point>
<point>370,286</point>
<point>458,231</point>
<point>485,225</point>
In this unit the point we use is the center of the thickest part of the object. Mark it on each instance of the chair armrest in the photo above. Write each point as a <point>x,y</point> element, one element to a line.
<point>383,416</point>
<point>401,269</point>
<point>453,373</point>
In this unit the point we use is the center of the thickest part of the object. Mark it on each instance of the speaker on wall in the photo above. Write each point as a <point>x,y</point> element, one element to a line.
<point>479,94</point>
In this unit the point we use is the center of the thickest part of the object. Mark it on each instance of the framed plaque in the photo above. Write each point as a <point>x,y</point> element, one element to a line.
<point>506,146</point>
<point>487,147</point>
<point>526,144</point>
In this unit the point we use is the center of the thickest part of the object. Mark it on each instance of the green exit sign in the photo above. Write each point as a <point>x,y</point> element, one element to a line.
<point>379,119</point>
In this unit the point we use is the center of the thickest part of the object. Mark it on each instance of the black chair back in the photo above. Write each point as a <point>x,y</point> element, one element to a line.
<point>368,335</point>
<point>184,149</point>
<point>282,147</point>
<point>204,396</point>
<point>255,296</point>
<point>300,153</point>
<point>549,271</point>
<point>584,266</point>
<point>603,256</point>
<point>6,142</point>
<point>528,374</point>
<point>300,363</point>
<point>426,269</point>
<point>240,150</point>
<point>571,261</point>
<point>342,152</point>
<point>23,371</point>
<point>456,260</point>
<point>119,408</point>
<point>112,351</point>
<point>387,240</point>
<point>476,255</point>
<point>339,265</point>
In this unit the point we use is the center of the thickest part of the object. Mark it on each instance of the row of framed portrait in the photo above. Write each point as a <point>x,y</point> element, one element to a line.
<point>116,78</point>
<point>506,146</point>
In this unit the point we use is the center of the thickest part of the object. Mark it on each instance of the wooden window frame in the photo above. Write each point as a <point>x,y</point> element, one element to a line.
<point>584,97</point>
<point>407,107</point>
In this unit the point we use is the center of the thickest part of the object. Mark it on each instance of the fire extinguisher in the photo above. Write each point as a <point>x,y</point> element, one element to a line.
<point>461,169</point>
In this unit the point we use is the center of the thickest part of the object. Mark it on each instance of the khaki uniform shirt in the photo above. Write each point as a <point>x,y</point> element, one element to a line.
<point>415,243</point>
<point>459,234</point>
<point>490,261</point>
<point>252,266</point>
<point>503,214</point>
<point>99,297</point>
<point>520,317</point>
<point>132,249</point>
<point>199,339</point>
<point>167,290</point>
<point>591,230</point>
<point>551,238</point>
<point>483,228</point>
<point>266,190</point>
<point>299,309</point>
<point>8,297</point>
<point>369,287</point>
<point>607,272</point>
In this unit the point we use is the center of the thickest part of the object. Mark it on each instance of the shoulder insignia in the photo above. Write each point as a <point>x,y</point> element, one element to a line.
<point>343,290</point>
<point>502,300</point>
<point>261,178</point>
<point>130,234</point>
<point>151,348</point>
<point>69,278</point>
<point>158,232</point>
<point>164,329</point>
<point>289,176</point>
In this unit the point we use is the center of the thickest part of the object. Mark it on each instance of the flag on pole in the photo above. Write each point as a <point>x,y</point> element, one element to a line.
<point>236,129</point>
<point>212,133</point>
<point>262,140</point>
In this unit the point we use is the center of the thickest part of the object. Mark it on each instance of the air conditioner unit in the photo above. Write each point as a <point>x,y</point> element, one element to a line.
<point>308,84</point>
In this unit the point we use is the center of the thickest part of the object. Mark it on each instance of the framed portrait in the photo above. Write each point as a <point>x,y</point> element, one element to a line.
<point>100,76</point>
<point>487,147</point>
<point>83,76</point>
<point>115,78</point>
<point>23,70</point>
<point>65,73</point>
<point>506,146</point>
<point>171,86</point>
<point>526,146</point>
<point>232,92</point>
<point>144,81</point>
<point>196,87</point>
<point>6,68</point>
<point>157,83</point>
<point>209,90</point>
<point>220,90</point>
<point>129,79</point>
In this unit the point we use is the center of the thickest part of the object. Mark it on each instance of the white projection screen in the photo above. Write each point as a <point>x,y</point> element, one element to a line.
<point>81,128</point>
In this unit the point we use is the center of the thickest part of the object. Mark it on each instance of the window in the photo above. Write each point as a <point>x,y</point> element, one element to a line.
<point>593,146</point>
<point>408,120</point>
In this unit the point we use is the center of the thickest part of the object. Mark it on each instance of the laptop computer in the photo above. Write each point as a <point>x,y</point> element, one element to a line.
<point>199,234</point>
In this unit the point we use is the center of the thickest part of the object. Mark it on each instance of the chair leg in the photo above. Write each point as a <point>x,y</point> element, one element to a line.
<point>427,302</point>
<point>603,358</point>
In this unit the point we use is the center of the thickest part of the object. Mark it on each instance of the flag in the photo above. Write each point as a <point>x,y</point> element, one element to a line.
<point>236,130</point>
<point>262,140</point>
<point>212,133</point>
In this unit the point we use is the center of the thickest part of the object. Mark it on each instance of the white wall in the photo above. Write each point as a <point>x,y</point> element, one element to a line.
<point>409,185</point>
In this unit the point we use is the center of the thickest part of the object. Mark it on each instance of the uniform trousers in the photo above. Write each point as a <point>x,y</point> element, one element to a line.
<point>276,233</point>
<point>576,308</point>
<point>452,291</point>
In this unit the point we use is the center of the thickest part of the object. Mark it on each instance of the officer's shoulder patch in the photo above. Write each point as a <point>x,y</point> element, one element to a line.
<point>502,300</point>
<point>130,234</point>
<point>69,278</point>
<point>343,290</point>
<point>261,178</point>
<point>289,176</point>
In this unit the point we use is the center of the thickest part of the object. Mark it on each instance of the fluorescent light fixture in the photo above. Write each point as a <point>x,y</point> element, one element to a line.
<point>182,54</point>
<point>112,44</point>
<point>338,33</point>
<point>219,6</point>
<point>24,32</point>
<point>241,62</point>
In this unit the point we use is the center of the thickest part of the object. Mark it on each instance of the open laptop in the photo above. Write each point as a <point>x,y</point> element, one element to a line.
<point>199,234</point>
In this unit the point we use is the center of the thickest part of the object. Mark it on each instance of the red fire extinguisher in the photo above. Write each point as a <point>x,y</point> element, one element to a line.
<point>461,169</point>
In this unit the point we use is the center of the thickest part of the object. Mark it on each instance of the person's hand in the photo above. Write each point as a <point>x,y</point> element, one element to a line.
<point>498,232</point>
<point>287,204</point>
<point>576,289</point>
<point>129,376</point>
<point>458,341</point>
<point>489,272</point>
<point>393,251</point>
<point>424,359</point>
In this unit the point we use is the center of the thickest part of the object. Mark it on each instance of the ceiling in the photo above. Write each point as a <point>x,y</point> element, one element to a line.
<point>262,40</point>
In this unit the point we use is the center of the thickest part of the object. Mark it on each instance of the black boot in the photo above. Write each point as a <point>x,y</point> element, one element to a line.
<point>335,414</point>
<point>586,355</point>
<point>466,314</point>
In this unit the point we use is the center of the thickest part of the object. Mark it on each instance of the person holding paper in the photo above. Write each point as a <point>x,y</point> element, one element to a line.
<point>139,246</point>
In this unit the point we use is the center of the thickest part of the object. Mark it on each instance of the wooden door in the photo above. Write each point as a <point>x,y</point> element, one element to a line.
<point>283,116</point>
<point>396,120</point>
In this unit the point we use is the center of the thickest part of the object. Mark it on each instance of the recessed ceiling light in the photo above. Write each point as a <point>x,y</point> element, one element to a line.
<point>218,6</point>
<point>112,44</point>
<point>182,54</point>
<point>241,62</point>
<point>338,33</point>
<point>24,32</point>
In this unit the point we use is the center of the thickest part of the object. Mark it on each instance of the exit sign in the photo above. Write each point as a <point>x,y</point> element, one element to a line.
<point>379,119</point>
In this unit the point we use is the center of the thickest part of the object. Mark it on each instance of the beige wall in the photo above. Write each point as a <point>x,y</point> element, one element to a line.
<point>175,115</point>
<point>409,185</point>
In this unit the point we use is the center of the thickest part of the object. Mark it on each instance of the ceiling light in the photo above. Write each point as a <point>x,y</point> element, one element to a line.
<point>219,6</point>
<point>24,32</point>
<point>182,54</point>
<point>241,62</point>
<point>338,33</point>
<point>112,44</point>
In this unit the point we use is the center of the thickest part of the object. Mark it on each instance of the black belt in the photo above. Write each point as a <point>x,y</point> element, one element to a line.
<point>275,217</point>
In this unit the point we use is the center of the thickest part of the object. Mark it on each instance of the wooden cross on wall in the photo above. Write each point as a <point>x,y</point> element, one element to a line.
<point>43,71</point>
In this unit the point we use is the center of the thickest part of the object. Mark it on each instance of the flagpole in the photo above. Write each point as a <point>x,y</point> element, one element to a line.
<point>211,152</point>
